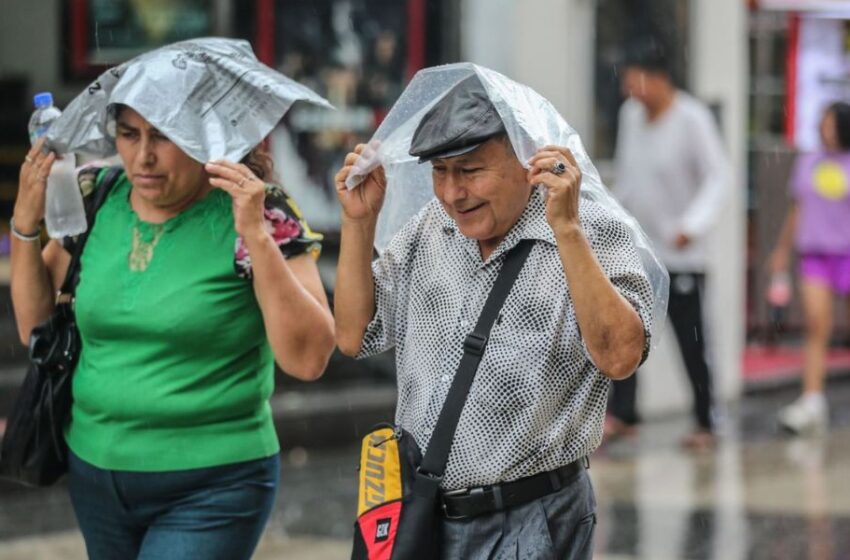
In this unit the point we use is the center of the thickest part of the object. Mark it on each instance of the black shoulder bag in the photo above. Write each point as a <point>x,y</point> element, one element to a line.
<point>34,450</point>
<point>399,490</point>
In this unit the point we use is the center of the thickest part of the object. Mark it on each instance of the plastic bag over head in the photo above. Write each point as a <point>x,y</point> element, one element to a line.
<point>210,96</point>
<point>531,122</point>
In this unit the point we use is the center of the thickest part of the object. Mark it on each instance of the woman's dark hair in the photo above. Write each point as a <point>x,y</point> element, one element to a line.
<point>841,110</point>
<point>260,162</point>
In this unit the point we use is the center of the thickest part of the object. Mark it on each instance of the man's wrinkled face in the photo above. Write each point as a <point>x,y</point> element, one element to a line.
<point>484,191</point>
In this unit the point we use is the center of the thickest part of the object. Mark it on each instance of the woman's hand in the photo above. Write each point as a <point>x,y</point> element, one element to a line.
<point>556,169</point>
<point>362,203</point>
<point>248,193</point>
<point>32,183</point>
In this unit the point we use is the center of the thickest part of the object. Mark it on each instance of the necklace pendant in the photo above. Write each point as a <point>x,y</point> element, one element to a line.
<point>141,254</point>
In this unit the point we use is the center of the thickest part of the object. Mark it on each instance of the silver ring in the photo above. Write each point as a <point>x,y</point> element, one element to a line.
<point>242,181</point>
<point>28,159</point>
<point>559,167</point>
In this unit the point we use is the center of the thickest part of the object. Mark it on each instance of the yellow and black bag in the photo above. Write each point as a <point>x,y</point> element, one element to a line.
<point>390,523</point>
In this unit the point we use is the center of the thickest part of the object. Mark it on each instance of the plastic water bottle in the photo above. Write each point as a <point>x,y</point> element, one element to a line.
<point>64,213</point>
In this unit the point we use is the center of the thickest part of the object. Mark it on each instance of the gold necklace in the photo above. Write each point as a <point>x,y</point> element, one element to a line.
<point>142,252</point>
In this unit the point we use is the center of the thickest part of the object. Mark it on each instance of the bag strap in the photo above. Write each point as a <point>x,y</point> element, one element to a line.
<point>437,454</point>
<point>72,276</point>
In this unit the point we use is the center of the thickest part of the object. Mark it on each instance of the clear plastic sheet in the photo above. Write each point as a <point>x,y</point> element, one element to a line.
<point>531,123</point>
<point>209,96</point>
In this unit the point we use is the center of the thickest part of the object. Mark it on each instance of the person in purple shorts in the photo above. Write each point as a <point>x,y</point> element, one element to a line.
<point>818,227</point>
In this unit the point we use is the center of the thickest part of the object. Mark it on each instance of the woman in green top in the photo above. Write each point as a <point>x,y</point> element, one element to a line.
<point>194,280</point>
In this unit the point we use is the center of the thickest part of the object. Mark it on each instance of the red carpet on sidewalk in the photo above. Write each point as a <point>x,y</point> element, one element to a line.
<point>770,363</point>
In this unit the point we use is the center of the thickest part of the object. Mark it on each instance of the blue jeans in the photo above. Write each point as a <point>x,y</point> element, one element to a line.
<point>210,513</point>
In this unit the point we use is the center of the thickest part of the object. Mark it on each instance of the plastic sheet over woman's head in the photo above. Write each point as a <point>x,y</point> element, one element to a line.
<point>531,123</point>
<point>209,96</point>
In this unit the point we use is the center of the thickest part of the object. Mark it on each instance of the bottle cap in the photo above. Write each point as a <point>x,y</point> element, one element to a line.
<point>43,99</point>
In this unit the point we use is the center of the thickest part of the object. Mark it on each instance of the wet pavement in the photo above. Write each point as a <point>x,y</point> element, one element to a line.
<point>758,495</point>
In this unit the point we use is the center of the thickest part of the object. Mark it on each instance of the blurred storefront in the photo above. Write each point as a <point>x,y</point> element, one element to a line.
<point>799,63</point>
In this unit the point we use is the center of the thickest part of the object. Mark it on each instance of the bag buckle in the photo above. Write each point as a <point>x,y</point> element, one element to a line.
<point>428,475</point>
<point>474,343</point>
<point>63,298</point>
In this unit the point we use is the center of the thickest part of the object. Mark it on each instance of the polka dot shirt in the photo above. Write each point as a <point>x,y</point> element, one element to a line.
<point>538,401</point>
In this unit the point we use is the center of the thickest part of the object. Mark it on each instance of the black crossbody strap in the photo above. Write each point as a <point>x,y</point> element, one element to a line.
<point>72,276</point>
<point>437,454</point>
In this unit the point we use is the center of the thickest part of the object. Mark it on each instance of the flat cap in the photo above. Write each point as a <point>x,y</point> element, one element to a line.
<point>460,122</point>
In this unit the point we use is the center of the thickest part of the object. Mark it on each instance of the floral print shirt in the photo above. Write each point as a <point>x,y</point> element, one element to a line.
<point>287,227</point>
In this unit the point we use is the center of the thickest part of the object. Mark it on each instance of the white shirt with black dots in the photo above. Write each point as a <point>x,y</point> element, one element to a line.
<point>538,401</point>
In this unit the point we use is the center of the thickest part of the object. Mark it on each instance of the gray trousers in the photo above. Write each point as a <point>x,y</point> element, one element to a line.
<point>558,526</point>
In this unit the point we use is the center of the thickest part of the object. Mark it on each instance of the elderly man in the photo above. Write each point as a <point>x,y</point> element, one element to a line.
<point>575,318</point>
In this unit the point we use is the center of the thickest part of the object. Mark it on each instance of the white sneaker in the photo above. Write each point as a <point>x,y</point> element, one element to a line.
<point>809,414</point>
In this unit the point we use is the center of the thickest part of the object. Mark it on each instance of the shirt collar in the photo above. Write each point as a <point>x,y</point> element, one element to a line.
<point>532,224</point>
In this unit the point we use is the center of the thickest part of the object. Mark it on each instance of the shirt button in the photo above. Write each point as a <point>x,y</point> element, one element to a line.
<point>464,323</point>
<point>445,378</point>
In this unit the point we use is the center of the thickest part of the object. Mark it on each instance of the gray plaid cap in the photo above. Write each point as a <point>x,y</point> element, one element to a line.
<point>460,122</point>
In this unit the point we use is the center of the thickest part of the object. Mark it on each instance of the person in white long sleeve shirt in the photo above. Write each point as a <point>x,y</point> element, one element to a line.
<point>673,176</point>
